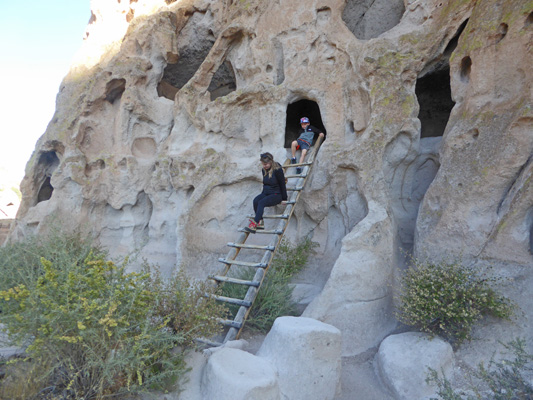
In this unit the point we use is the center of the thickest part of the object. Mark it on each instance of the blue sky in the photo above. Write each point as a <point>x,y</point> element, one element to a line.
<point>38,40</point>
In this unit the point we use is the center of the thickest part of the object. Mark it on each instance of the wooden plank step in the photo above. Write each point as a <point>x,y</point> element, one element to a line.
<point>208,342</point>
<point>298,164</point>
<point>265,231</point>
<point>296,176</point>
<point>230,323</point>
<point>243,263</point>
<point>229,300</point>
<point>296,189</point>
<point>276,216</point>
<point>251,246</point>
<point>228,279</point>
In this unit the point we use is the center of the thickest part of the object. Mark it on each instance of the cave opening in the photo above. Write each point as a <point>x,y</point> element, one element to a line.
<point>434,96</point>
<point>47,164</point>
<point>466,66</point>
<point>114,89</point>
<point>297,110</point>
<point>198,39</point>
<point>529,20</point>
<point>223,81</point>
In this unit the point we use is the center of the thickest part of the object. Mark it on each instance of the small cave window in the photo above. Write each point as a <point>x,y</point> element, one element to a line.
<point>297,110</point>
<point>466,66</point>
<point>47,164</point>
<point>45,191</point>
<point>434,96</point>
<point>114,89</point>
<point>223,81</point>
<point>369,19</point>
<point>529,20</point>
<point>502,31</point>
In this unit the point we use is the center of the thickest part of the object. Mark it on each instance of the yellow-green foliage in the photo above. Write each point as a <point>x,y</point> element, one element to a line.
<point>448,298</point>
<point>96,329</point>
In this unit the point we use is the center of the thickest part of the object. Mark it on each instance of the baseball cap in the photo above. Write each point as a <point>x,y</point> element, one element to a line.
<point>304,120</point>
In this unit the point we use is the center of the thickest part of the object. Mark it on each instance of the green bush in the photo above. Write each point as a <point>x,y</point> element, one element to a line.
<point>499,380</point>
<point>447,299</point>
<point>95,329</point>
<point>275,296</point>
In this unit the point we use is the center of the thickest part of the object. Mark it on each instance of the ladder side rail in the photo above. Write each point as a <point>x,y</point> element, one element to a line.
<point>251,294</point>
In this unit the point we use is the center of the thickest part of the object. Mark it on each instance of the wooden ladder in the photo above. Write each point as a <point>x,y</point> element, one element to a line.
<point>294,189</point>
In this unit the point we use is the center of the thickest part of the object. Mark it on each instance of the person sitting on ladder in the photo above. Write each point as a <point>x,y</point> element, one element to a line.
<point>274,191</point>
<point>304,141</point>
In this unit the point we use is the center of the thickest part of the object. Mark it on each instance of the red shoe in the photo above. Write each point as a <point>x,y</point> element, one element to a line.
<point>252,227</point>
<point>261,225</point>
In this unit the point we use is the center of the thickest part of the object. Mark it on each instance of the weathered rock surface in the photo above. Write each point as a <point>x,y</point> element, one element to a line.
<point>238,375</point>
<point>307,356</point>
<point>480,203</point>
<point>357,298</point>
<point>403,361</point>
<point>427,105</point>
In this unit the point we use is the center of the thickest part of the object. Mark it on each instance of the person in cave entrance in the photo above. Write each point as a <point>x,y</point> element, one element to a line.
<point>304,141</point>
<point>274,191</point>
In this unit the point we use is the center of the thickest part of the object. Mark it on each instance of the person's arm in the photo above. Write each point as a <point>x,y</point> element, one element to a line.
<point>281,181</point>
<point>320,133</point>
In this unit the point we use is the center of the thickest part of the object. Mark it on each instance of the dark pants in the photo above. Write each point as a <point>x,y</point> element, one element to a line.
<point>262,201</point>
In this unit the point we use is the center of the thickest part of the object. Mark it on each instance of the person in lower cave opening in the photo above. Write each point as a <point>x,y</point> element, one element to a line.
<point>304,141</point>
<point>274,191</point>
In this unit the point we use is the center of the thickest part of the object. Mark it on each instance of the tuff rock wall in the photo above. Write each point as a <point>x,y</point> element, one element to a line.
<point>427,106</point>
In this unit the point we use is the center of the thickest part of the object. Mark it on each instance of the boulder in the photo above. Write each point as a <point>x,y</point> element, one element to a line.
<point>233,374</point>
<point>403,360</point>
<point>357,298</point>
<point>307,356</point>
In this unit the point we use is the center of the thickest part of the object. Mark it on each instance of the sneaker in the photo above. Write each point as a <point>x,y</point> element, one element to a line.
<point>261,225</point>
<point>252,227</point>
<point>298,170</point>
<point>293,160</point>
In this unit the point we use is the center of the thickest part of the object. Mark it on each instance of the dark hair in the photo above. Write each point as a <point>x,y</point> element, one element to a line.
<point>267,157</point>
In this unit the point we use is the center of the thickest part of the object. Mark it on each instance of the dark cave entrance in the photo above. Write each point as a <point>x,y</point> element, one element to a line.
<point>433,90</point>
<point>297,110</point>
<point>223,81</point>
<point>47,164</point>
<point>198,40</point>
<point>434,96</point>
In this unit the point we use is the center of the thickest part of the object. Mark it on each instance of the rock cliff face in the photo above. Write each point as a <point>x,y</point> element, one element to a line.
<point>427,105</point>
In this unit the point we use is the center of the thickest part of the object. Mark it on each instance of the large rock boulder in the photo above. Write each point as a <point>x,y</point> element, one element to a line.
<point>403,361</point>
<point>357,298</point>
<point>233,374</point>
<point>307,356</point>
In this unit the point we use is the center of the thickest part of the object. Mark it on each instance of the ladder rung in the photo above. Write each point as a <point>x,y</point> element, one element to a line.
<point>298,165</point>
<point>230,300</point>
<point>231,323</point>
<point>296,189</point>
<point>277,216</point>
<point>242,263</point>
<point>251,246</point>
<point>233,280</point>
<point>296,176</point>
<point>269,232</point>
<point>208,342</point>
